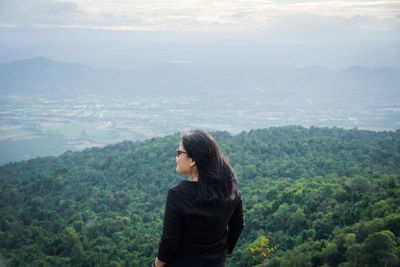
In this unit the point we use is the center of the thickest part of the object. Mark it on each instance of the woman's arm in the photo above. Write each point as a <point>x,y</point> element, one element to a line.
<point>172,228</point>
<point>235,226</point>
<point>159,263</point>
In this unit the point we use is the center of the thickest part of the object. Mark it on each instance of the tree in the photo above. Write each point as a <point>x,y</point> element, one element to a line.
<point>72,244</point>
<point>297,221</point>
<point>330,254</point>
<point>378,249</point>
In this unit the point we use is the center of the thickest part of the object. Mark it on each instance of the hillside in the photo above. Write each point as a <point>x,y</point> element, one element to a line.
<point>323,196</point>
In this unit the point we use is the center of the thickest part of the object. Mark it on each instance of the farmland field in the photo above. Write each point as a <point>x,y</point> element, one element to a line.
<point>38,126</point>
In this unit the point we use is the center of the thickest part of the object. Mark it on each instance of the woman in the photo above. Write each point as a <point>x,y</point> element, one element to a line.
<point>203,216</point>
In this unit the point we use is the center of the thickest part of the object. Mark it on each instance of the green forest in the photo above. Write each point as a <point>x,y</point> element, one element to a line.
<point>312,197</point>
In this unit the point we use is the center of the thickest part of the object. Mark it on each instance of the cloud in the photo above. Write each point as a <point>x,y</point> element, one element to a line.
<point>202,15</point>
<point>38,12</point>
<point>312,22</point>
<point>231,15</point>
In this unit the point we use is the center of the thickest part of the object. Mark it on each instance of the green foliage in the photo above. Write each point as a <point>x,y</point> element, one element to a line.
<point>326,197</point>
<point>378,249</point>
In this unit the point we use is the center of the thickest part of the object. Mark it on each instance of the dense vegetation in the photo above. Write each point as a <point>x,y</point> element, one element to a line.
<point>324,197</point>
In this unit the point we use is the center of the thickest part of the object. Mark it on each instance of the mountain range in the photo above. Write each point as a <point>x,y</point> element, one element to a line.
<point>41,75</point>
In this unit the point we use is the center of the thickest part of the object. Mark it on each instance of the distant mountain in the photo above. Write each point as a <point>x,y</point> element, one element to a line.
<point>44,76</point>
<point>41,75</point>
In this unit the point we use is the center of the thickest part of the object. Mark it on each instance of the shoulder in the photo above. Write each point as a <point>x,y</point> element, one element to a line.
<point>183,191</point>
<point>183,186</point>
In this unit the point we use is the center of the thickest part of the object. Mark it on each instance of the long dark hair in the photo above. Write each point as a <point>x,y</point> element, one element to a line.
<point>218,182</point>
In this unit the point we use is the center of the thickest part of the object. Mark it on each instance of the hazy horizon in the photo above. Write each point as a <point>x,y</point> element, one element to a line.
<point>291,33</point>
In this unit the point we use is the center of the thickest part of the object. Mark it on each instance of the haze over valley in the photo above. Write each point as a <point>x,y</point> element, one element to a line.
<point>48,107</point>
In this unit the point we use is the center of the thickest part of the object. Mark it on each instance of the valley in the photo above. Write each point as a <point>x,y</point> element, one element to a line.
<point>37,125</point>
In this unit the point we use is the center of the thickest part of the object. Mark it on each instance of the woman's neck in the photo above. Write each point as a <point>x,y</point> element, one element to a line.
<point>194,178</point>
<point>194,174</point>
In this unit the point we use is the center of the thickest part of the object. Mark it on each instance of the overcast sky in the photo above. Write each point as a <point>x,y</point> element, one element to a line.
<point>331,33</point>
<point>203,15</point>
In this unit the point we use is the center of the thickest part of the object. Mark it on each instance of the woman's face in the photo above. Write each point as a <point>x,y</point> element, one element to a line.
<point>184,164</point>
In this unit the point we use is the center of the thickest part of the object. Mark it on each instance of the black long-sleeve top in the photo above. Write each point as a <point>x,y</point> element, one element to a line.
<point>198,235</point>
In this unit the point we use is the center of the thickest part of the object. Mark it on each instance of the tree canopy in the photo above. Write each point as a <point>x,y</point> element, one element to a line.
<point>322,196</point>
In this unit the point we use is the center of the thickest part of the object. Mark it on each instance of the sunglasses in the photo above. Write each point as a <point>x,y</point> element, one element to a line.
<point>179,152</point>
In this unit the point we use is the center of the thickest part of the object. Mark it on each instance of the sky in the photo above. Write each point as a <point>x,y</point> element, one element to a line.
<point>330,33</point>
<point>204,15</point>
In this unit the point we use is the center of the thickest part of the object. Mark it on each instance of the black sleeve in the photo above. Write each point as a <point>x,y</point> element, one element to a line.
<point>235,226</point>
<point>172,228</point>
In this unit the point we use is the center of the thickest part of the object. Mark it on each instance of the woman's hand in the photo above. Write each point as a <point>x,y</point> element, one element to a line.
<point>160,263</point>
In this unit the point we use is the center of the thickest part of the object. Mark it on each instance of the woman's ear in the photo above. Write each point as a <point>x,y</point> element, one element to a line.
<point>193,163</point>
